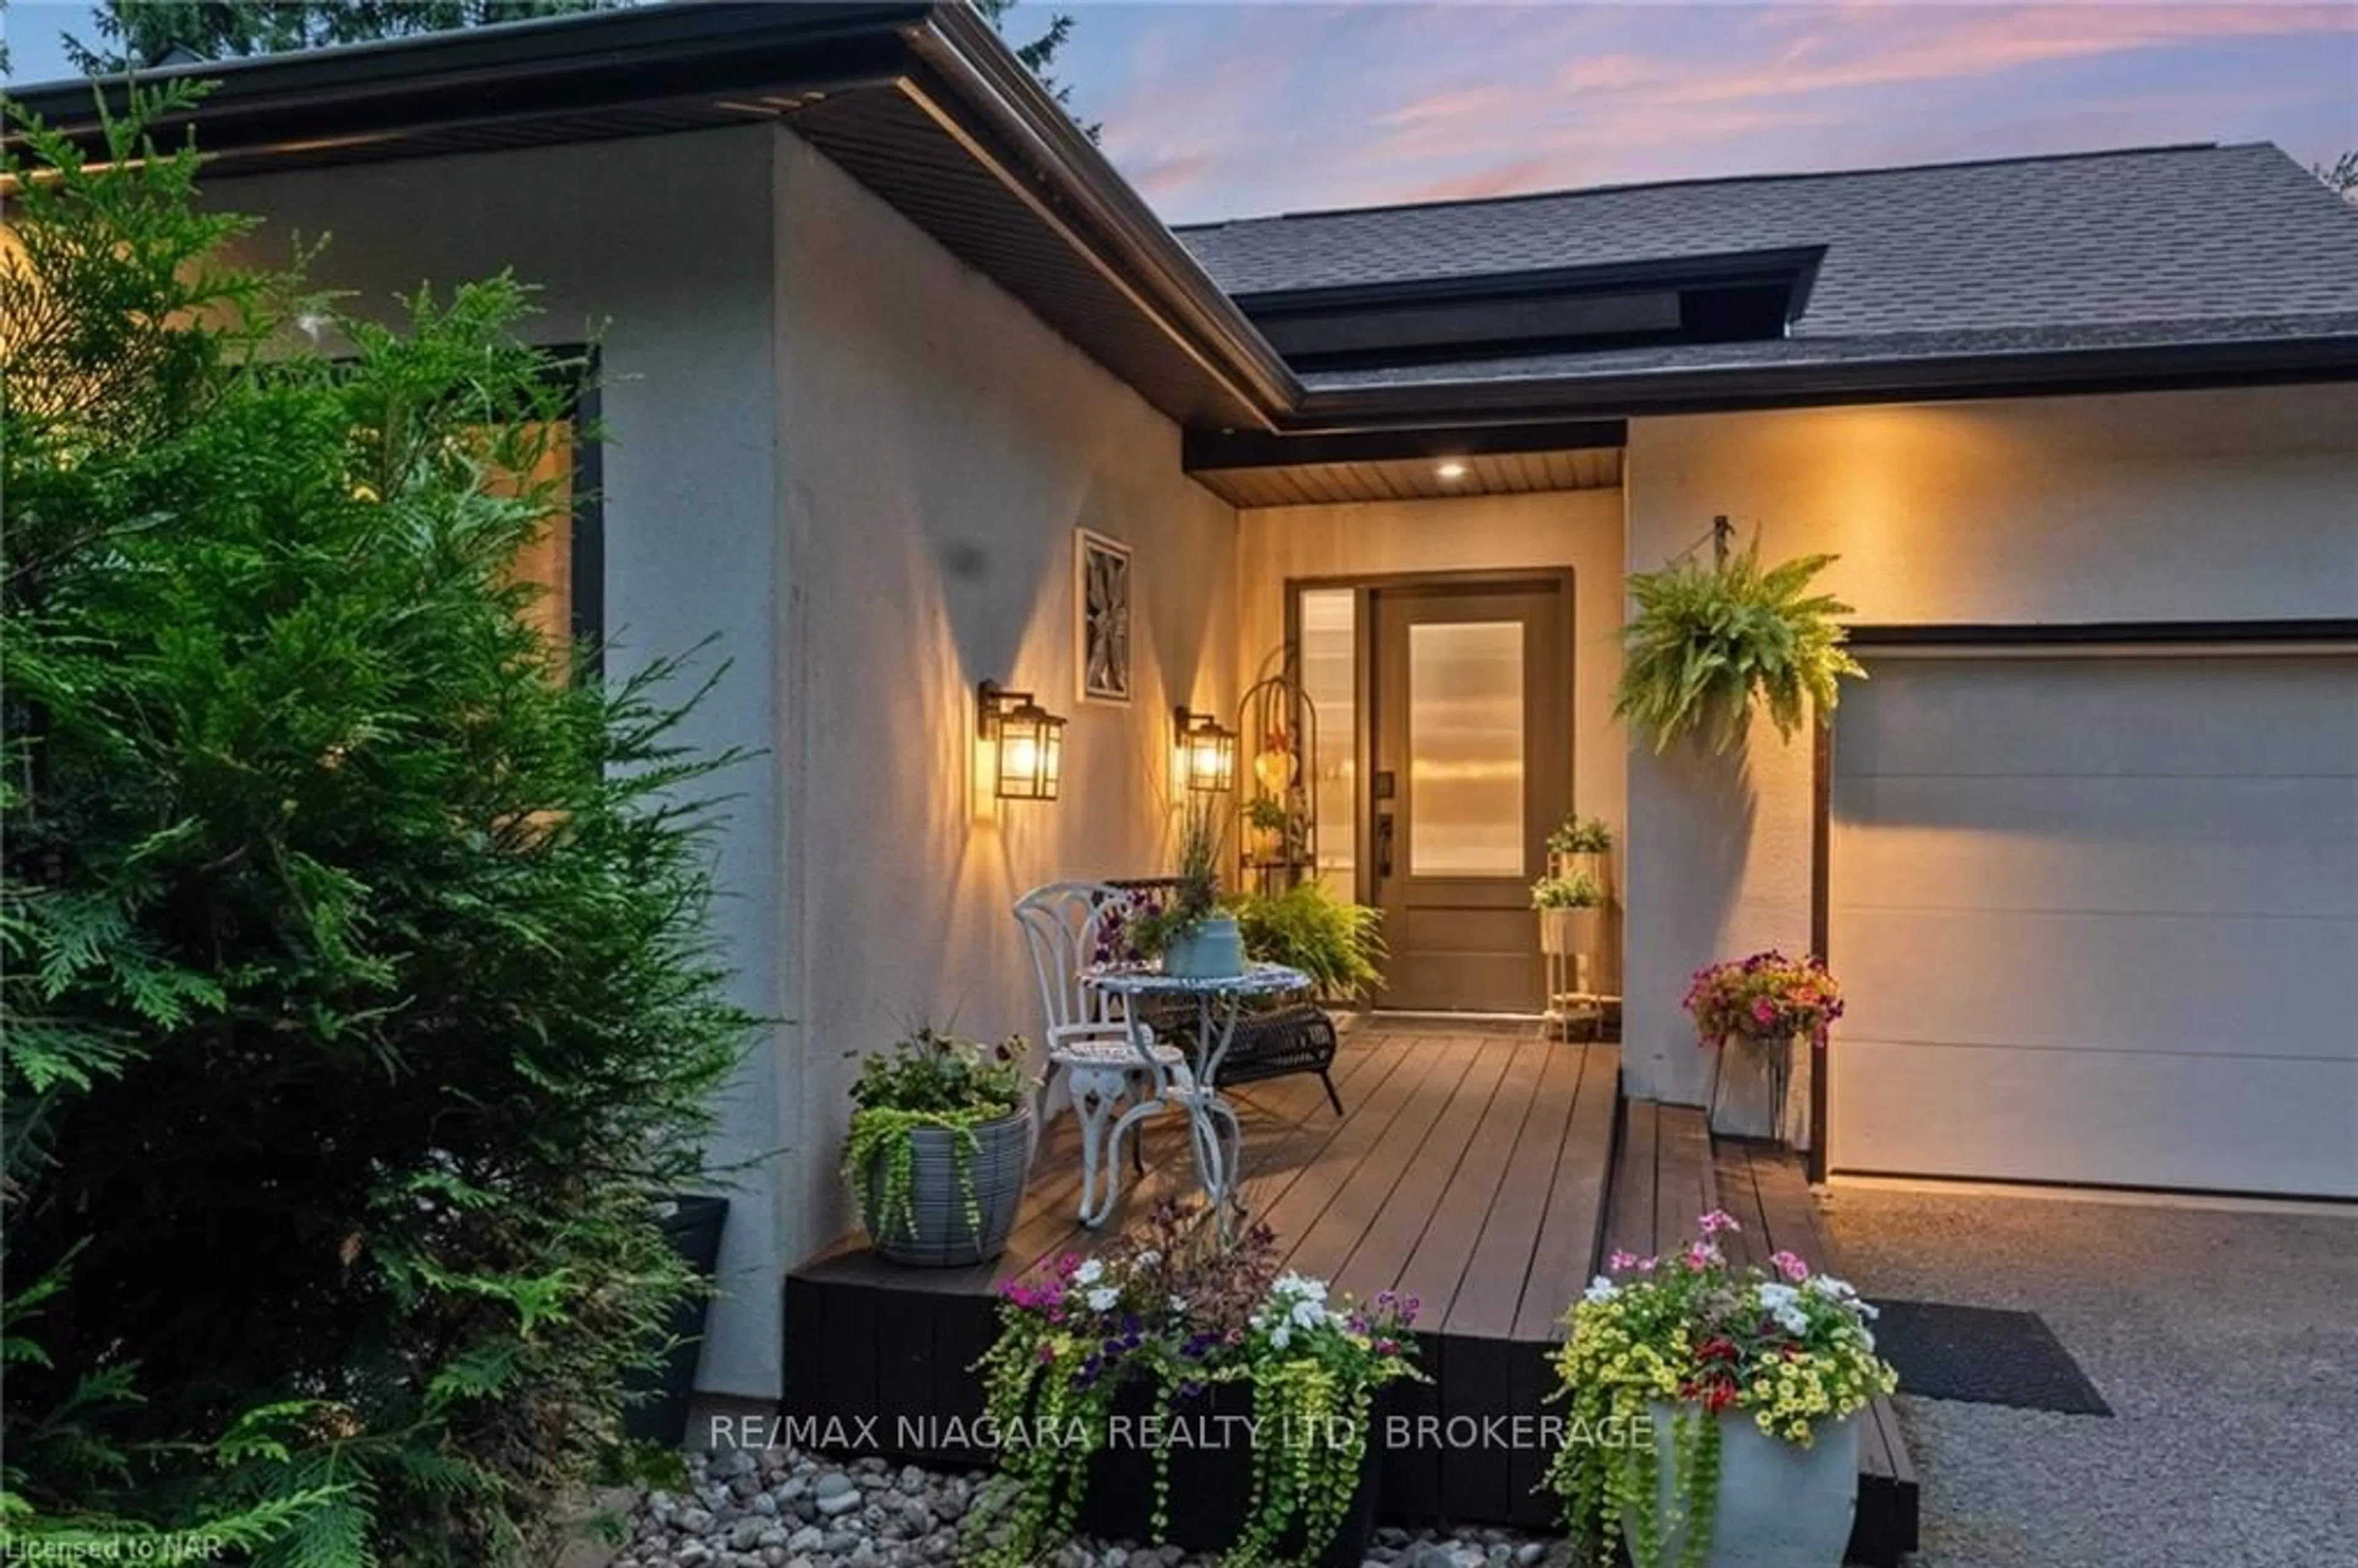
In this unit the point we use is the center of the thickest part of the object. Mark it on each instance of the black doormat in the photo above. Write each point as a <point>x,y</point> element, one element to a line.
<point>1985,1356</point>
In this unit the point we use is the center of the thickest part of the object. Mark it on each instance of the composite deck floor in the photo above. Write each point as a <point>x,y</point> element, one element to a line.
<point>1484,1169</point>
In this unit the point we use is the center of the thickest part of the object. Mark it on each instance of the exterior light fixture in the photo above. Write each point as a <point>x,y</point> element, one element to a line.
<point>1450,472</point>
<point>1210,752</point>
<point>1027,743</point>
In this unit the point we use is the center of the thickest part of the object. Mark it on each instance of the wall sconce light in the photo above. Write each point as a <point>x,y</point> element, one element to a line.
<point>1027,742</point>
<point>1208,749</point>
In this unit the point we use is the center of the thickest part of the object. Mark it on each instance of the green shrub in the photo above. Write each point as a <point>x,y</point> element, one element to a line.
<point>357,992</point>
<point>1338,943</point>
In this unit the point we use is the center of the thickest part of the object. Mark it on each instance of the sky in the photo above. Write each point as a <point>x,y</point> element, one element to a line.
<point>1217,109</point>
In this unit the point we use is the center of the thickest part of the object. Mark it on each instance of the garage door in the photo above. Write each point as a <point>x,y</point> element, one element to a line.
<point>2098,921</point>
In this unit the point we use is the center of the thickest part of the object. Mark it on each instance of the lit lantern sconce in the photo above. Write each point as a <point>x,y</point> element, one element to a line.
<point>1208,751</point>
<point>1026,741</point>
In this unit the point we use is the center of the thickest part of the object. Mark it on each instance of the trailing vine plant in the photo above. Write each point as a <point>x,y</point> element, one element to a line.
<point>1709,642</point>
<point>1687,1338</point>
<point>1171,1312</point>
<point>928,1080</point>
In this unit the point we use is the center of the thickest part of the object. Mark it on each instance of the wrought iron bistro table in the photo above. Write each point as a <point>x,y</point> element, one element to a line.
<point>1191,1088</point>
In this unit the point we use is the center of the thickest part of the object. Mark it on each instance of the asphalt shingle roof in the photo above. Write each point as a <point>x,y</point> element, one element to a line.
<point>2048,251</point>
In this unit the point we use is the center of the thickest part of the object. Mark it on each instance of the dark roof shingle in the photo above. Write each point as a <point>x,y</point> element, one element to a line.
<point>2046,244</point>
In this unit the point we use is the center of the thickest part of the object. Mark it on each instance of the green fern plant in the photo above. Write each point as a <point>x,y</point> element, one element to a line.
<point>1708,644</point>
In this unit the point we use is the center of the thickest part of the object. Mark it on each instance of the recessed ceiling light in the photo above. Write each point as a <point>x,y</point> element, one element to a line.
<point>1450,470</point>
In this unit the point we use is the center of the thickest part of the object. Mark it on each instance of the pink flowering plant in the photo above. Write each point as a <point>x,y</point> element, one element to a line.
<point>1765,997</point>
<point>1691,1333</point>
<point>1171,1307</point>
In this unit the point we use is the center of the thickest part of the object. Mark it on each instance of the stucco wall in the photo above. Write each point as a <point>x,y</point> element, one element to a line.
<point>2219,506</point>
<point>941,445</point>
<point>660,249</point>
<point>1579,529</point>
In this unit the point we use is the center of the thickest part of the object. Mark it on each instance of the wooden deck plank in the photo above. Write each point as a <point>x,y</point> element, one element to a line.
<point>1481,1358</point>
<point>1563,1260</point>
<point>1566,1256</point>
<point>1493,1289</point>
<point>1629,1201</point>
<point>1363,1240</point>
<point>1438,1264</point>
<point>1297,1209</point>
<point>1271,1168</point>
<point>1683,1159</point>
<point>1736,1192</point>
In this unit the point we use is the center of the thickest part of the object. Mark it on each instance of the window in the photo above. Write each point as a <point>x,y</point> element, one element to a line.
<point>1326,621</point>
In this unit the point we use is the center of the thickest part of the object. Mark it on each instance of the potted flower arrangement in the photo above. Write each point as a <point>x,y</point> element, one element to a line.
<point>1714,1409</point>
<point>1568,909</point>
<point>1190,932</point>
<point>1173,1366</point>
<point>940,1142</point>
<point>1756,1008</point>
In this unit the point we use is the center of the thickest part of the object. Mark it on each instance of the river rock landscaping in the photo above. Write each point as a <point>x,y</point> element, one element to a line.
<point>783,1508</point>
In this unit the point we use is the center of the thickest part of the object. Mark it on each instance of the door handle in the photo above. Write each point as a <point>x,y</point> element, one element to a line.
<point>1384,844</point>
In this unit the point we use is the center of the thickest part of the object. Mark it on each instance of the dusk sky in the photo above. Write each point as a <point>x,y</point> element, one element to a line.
<point>1217,110</point>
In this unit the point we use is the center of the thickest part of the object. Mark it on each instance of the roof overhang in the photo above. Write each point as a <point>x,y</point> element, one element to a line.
<point>926,106</point>
<point>922,103</point>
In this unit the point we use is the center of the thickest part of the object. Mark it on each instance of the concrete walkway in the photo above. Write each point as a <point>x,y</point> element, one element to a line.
<point>2225,1341</point>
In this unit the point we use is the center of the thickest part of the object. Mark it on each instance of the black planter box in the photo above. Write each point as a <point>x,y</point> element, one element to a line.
<point>660,1394</point>
<point>1212,1483</point>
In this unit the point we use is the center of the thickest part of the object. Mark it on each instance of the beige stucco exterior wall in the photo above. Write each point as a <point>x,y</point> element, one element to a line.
<point>1578,529</point>
<point>856,466</point>
<point>2160,506</point>
<point>940,445</point>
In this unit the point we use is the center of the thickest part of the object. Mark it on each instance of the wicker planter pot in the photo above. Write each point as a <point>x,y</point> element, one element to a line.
<point>943,1236</point>
<point>1780,1505</point>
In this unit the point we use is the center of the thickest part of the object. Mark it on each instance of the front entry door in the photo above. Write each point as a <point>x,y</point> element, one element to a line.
<point>1471,768</point>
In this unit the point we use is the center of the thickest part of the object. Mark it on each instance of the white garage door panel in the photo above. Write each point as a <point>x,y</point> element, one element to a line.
<point>2106,1118</point>
<point>2097,920</point>
<point>2227,986</point>
<point>1955,718</point>
<point>2200,845</point>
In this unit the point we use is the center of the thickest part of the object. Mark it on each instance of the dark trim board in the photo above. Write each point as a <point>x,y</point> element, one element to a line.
<point>1214,449</point>
<point>1970,635</point>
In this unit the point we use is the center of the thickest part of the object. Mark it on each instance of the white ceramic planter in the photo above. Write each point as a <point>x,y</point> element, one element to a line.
<point>1780,1505</point>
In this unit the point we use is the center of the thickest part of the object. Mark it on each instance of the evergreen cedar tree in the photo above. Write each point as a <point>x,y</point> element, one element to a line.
<point>359,999</point>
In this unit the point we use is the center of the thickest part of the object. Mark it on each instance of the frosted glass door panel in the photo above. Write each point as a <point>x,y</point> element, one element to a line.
<point>1465,749</point>
<point>1330,651</point>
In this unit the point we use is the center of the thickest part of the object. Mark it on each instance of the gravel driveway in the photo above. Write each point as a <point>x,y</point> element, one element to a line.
<point>2225,1341</point>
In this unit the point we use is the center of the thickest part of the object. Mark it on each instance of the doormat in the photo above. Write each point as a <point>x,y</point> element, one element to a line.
<point>1985,1356</point>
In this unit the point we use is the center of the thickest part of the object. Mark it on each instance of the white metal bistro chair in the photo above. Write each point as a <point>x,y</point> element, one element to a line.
<point>1089,1034</point>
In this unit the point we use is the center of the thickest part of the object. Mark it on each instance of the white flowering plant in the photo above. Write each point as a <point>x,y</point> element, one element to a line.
<point>1791,1347</point>
<point>1170,1308</point>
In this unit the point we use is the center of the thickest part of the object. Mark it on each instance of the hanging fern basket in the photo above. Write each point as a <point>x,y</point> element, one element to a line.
<point>1709,643</point>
